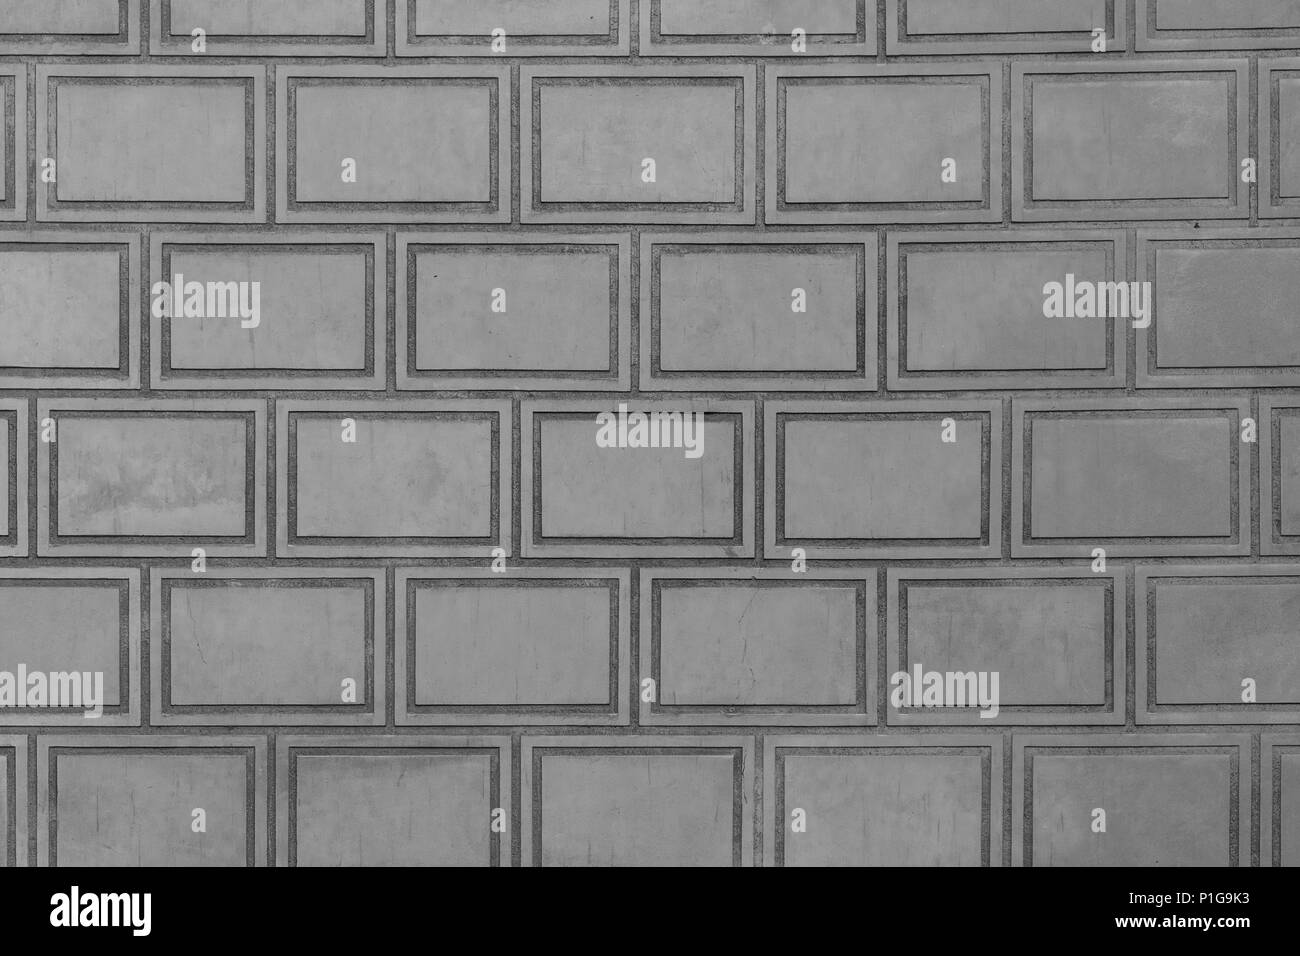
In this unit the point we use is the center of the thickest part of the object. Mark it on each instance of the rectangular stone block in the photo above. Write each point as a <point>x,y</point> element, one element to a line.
<point>532,646</point>
<point>254,28</point>
<point>267,646</point>
<point>754,647</point>
<point>591,489</point>
<point>879,480</point>
<point>11,435</point>
<point>1279,819</point>
<point>13,143</point>
<point>1207,25</point>
<point>883,801</point>
<point>80,628</point>
<point>1054,637</point>
<point>1156,477</point>
<point>423,479</point>
<point>1002,26</point>
<point>1279,479</point>
<point>513,311</point>
<point>152,143</point>
<point>898,131</point>
<point>1216,644</point>
<point>1117,141</point>
<point>1222,313</point>
<point>966,310</point>
<point>1279,137</point>
<point>750,312</point>
<point>624,144</point>
<point>8,834</point>
<point>13,801</point>
<point>13,478</point>
<point>1170,800</point>
<point>392,144</point>
<point>637,801</point>
<point>69,310</point>
<point>131,800</point>
<point>98,27</point>
<point>319,304</point>
<point>758,28</point>
<point>152,477</point>
<point>428,801</point>
<point>465,28</point>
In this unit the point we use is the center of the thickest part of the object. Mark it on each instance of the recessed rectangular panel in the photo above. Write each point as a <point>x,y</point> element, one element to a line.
<point>134,801</point>
<point>1279,132</point>
<point>1279,458</point>
<point>637,801</point>
<point>1279,843</point>
<point>1007,646</point>
<point>1220,313</point>
<point>1217,644</point>
<point>1113,142</point>
<point>253,646</point>
<point>152,477</point>
<point>79,629</point>
<point>530,647</point>
<point>14,763</point>
<point>910,144</point>
<point>380,144</point>
<point>740,646</point>
<point>835,487</point>
<point>418,477</point>
<point>787,314</point>
<point>503,311</point>
<point>13,478</point>
<point>971,310</point>
<point>1003,26</point>
<point>615,479</point>
<point>758,27</point>
<point>284,312</point>
<point>429,801</point>
<point>253,28</point>
<point>13,143</point>
<point>95,27</point>
<point>513,28</point>
<point>613,144</point>
<point>1209,25</point>
<point>69,310</point>
<point>152,144</point>
<point>1167,800</point>
<point>1162,476</point>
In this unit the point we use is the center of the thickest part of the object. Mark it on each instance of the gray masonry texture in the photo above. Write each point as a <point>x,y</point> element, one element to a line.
<point>362,537</point>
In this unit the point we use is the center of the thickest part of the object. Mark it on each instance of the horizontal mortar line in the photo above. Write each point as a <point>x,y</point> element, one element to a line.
<point>368,562</point>
<point>1211,226</point>
<point>605,730</point>
<point>1042,56</point>
<point>129,397</point>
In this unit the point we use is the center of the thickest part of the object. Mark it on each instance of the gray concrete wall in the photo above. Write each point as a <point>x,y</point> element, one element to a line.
<point>364,584</point>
